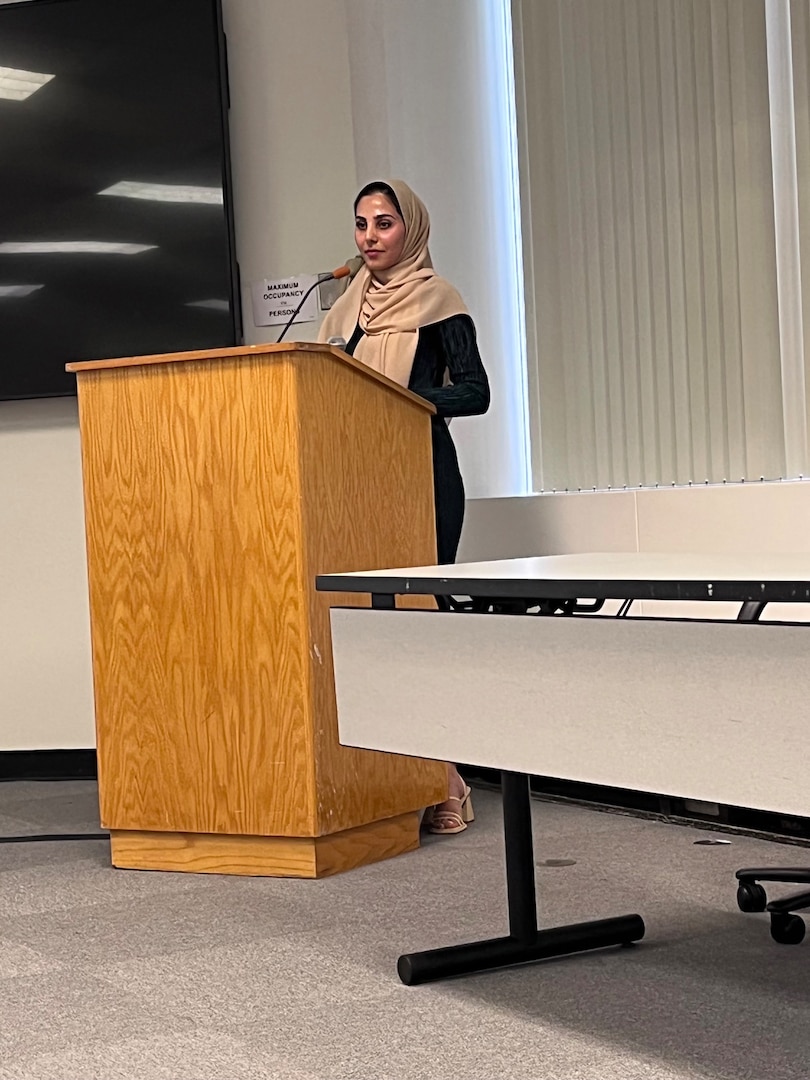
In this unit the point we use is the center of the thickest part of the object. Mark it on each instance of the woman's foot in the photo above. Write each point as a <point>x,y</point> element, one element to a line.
<point>452,815</point>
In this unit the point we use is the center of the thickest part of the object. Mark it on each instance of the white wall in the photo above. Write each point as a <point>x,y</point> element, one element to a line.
<point>292,142</point>
<point>771,517</point>
<point>46,698</point>
<point>428,85</point>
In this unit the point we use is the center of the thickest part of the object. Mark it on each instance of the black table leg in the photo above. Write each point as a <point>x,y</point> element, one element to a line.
<point>525,942</point>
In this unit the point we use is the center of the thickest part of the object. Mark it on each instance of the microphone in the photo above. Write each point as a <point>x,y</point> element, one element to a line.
<point>354,266</point>
<point>349,269</point>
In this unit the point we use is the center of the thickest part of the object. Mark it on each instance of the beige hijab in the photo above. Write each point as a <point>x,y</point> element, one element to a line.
<point>392,305</point>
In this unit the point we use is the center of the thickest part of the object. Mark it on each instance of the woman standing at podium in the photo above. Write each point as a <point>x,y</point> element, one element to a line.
<point>401,318</point>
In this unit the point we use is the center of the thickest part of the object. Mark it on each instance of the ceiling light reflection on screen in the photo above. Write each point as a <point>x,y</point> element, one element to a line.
<point>70,247</point>
<point>18,85</point>
<point>18,290</point>
<point>211,305</point>
<point>177,193</point>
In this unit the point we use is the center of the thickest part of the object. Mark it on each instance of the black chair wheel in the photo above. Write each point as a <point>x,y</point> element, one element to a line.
<point>751,897</point>
<point>787,929</point>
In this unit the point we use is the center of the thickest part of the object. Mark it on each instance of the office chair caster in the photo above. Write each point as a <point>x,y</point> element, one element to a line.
<point>751,897</point>
<point>787,929</point>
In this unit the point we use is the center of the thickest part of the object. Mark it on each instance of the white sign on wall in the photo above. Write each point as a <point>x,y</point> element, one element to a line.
<point>275,301</point>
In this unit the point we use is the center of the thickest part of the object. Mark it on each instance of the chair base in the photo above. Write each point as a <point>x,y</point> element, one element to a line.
<point>786,928</point>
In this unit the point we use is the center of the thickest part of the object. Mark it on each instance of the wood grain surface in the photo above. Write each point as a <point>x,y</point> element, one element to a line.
<point>215,491</point>
<point>367,487</point>
<point>192,497</point>
<point>266,856</point>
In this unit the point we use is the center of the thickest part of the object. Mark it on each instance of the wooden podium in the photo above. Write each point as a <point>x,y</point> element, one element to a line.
<point>217,485</point>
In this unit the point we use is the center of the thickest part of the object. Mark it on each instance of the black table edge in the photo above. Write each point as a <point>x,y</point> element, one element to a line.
<point>566,589</point>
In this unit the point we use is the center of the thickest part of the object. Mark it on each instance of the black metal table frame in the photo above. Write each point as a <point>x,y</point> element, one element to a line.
<point>526,942</point>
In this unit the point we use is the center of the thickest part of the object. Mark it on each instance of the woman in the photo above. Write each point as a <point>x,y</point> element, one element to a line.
<point>402,319</point>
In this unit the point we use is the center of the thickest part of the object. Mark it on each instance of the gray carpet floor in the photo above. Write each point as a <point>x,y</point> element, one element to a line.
<point>108,974</point>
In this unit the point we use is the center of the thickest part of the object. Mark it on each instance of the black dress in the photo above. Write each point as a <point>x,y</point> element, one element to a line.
<point>449,347</point>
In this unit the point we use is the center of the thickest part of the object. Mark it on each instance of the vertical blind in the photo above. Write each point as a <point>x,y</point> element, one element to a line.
<point>663,339</point>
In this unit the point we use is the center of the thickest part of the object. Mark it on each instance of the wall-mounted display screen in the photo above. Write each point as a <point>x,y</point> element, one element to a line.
<point>116,225</point>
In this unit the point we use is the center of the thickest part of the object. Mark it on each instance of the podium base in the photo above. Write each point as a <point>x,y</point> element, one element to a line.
<point>265,856</point>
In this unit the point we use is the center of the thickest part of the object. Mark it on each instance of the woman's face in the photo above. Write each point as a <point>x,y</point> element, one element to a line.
<point>379,232</point>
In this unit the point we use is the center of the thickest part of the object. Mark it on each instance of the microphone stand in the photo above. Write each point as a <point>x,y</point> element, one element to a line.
<point>349,270</point>
<point>291,320</point>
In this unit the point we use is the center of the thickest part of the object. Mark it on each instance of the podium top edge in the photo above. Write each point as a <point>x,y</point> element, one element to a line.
<point>235,351</point>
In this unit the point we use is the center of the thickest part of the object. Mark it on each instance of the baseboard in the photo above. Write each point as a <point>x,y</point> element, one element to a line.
<point>760,822</point>
<point>81,765</point>
<point>48,765</point>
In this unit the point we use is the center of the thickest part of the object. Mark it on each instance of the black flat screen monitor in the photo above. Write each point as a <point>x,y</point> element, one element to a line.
<point>116,223</point>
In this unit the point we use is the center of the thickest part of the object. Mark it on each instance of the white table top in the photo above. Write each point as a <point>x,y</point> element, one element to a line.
<point>610,575</point>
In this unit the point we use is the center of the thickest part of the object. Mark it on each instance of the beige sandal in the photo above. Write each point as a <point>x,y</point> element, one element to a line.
<point>449,822</point>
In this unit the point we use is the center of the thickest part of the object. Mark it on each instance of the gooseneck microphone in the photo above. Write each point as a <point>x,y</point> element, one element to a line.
<point>348,270</point>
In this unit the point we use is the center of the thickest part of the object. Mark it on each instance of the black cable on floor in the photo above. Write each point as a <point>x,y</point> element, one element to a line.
<point>46,779</point>
<point>48,837</point>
